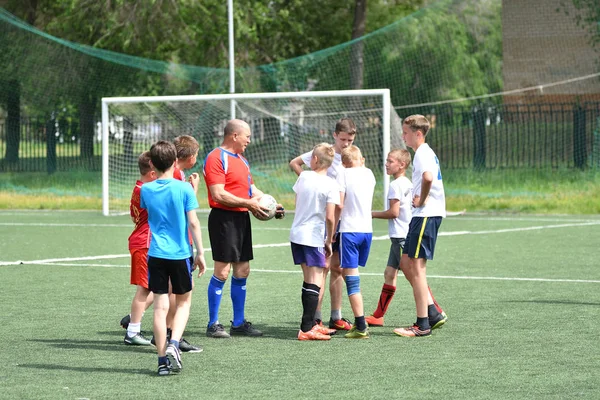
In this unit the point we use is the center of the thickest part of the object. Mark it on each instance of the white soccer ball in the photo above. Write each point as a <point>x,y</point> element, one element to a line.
<point>269,203</point>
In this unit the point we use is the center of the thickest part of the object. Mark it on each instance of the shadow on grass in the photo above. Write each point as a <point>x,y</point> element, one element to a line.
<point>283,331</point>
<point>572,302</point>
<point>82,344</point>
<point>89,369</point>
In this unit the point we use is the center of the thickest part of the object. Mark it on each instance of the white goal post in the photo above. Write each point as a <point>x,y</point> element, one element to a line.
<point>284,125</point>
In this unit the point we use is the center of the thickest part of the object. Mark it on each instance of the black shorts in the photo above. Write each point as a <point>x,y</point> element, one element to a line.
<point>230,235</point>
<point>395,255</point>
<point>421,237</point>
<point>160,270</point>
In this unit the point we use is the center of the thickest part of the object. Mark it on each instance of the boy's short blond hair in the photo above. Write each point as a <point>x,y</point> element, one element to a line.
<point>186,146</point>
<point>351,154</point>
<point>417,122</point>
<point>144,163</point>
<point>401,155</point>
<point>325,154</point>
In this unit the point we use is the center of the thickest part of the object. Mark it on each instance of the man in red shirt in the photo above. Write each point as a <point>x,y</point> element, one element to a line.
<point>231,194</point>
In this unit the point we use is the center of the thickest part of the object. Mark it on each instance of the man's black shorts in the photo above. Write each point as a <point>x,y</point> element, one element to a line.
<point>230,235</point>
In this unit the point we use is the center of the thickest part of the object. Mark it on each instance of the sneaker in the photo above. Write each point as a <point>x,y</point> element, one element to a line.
<point>125,321</point>
<point>187,347</point>
<point>374,321</point>
<point>412,331</point>
<point>313,334</point>
<point>245,329</point>
<point>355,333</point>
<point>439,321</point>
<point>137,340</point>
<point>216,330</point>
<point>174,357</point>
<point>164,369</point>
<point>324,330</point>
<point>341,324</point>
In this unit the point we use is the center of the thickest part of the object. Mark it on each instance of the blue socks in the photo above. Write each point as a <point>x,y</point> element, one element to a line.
<point>238,298</point>
<point>215,293</point>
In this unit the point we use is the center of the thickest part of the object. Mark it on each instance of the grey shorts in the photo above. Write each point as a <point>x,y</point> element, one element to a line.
<point>396,249</point>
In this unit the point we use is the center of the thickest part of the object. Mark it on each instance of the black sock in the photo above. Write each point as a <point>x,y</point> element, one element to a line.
<point>360,323</point>
<point>433,312</point>
<point>423,323</point>
<point>310,300</point>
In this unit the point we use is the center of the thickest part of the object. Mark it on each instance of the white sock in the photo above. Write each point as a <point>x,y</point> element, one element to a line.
<point>134,329</point>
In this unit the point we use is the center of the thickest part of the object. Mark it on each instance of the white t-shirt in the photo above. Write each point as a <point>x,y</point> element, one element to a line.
<point>426,160</point>
<point>358,185</point>
<point>335,167</point>
<point>313,192</point>
<point>400,189</point>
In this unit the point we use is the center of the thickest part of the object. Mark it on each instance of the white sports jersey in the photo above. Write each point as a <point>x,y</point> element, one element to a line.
<point>426,160</point>
<point>335,167</point>
<point>400,189</point>
<point>358,185</point>
<point>313,192</point>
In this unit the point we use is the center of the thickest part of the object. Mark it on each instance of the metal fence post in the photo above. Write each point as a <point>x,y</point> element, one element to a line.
<point>479,137</point>
<point>579,142</point>
<point>50,145</point>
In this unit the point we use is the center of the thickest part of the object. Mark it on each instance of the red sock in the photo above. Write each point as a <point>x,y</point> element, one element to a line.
<point>387,294</point>
<point>437,306</point>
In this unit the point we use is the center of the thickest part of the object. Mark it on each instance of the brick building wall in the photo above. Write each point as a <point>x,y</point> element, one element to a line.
<point>542,45</point>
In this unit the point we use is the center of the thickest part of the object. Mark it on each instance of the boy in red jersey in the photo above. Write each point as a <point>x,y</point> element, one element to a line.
<point>187,153</point>
<point>139,242</point>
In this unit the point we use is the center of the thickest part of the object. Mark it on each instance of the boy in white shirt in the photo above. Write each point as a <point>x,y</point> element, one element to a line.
<point>343,136</point>
<point>316,197</point>
<point>429,207</point>
<point>356,185</point>
<point>398,215</point>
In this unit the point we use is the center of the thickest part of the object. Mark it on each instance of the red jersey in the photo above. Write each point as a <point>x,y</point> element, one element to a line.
<point>178,174</point>
<point>140,237</point>
<point>231,170</point>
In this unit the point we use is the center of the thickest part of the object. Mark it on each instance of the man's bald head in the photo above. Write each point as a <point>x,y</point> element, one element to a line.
<point>235,126</point>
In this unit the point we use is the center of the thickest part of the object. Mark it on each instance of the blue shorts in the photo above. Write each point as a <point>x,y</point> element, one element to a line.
<point>421,237</point>
<point>310,256</point>
<point>354,249</point>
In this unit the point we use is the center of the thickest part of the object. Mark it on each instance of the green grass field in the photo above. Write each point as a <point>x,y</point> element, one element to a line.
<point>521,292</point>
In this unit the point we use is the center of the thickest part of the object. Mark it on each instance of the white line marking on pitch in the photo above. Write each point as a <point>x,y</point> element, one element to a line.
<point>259,246</point>
<point>378,274</point>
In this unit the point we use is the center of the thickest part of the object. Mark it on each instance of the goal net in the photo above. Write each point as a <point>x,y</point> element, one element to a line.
<point>284,125</point>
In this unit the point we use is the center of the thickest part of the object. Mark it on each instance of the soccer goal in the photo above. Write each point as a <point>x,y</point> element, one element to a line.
<point>284,125</point>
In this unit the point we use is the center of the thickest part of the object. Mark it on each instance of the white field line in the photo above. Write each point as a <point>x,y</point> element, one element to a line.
<point>258,246</point>
<point>64,261</point>
<point>378,274</point>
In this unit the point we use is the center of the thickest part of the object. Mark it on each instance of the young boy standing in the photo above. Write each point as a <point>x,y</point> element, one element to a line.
<point>316,198</point>
<point>171,208</point>
<point>356,185</point>
<point>139,241</point>
<point>398,215</point>
<point>343,136</point>
<point>429,207</point>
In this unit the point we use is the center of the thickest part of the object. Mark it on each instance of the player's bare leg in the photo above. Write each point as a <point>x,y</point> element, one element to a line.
<point>336,289</point>
<point>360,329</point>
